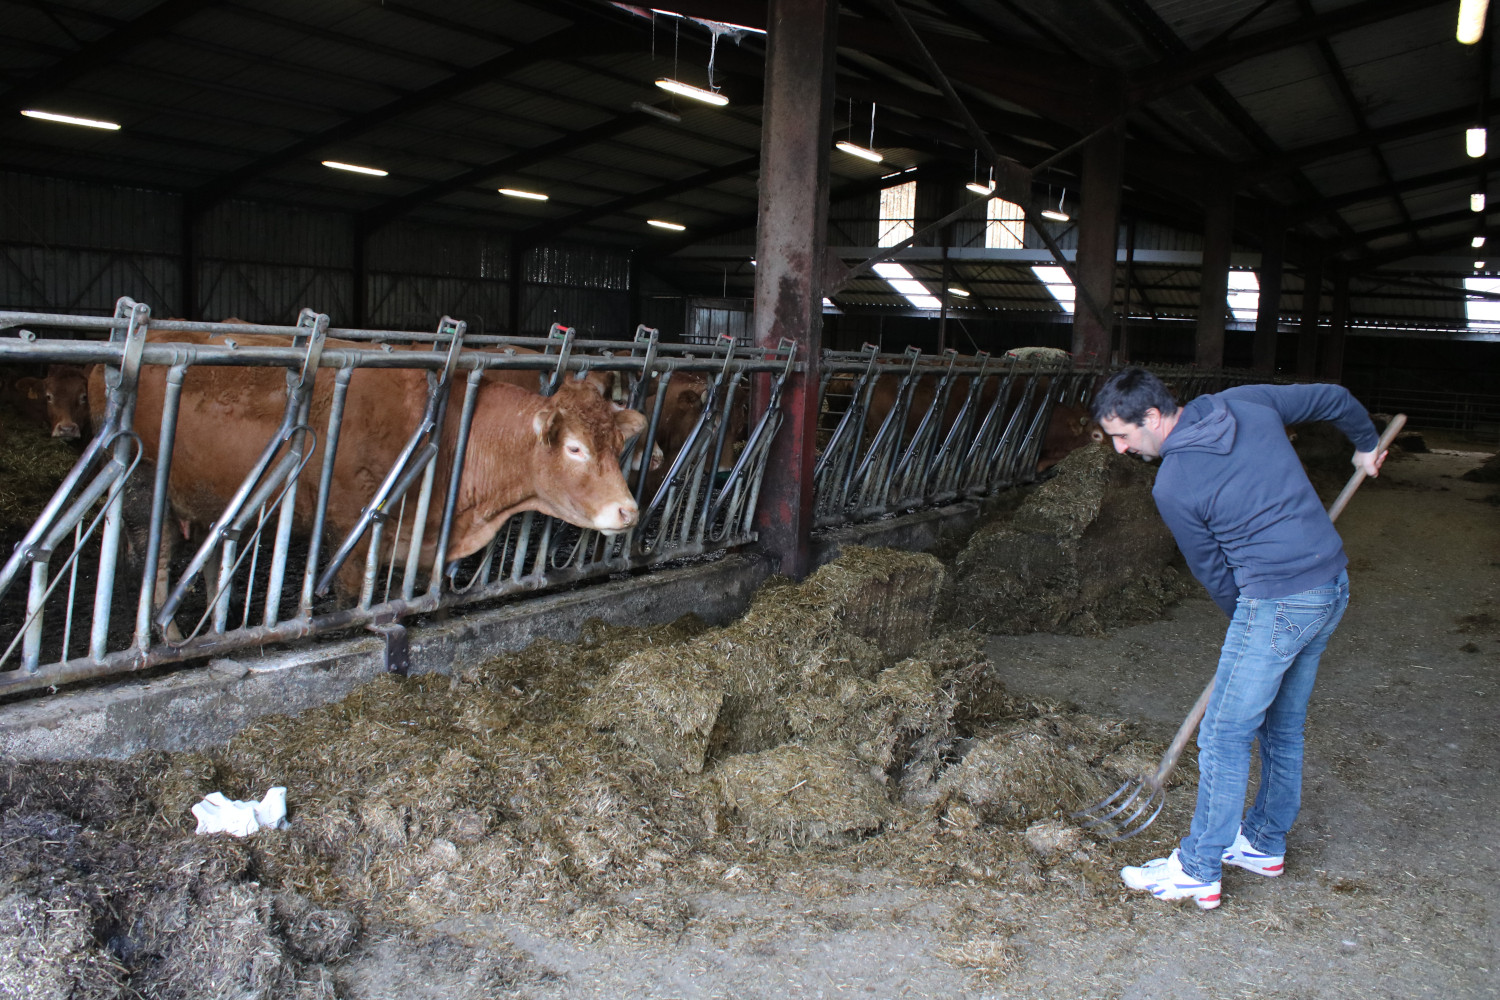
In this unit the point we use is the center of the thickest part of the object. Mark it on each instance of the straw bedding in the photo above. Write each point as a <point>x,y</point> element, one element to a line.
<point>834,720</point>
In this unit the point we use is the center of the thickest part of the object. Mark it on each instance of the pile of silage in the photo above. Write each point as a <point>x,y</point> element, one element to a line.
<point>1085,551</point>
<point>828,720</point>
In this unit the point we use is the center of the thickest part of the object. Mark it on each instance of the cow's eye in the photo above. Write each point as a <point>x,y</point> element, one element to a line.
<point>49,397</point>
<point>576,450</point>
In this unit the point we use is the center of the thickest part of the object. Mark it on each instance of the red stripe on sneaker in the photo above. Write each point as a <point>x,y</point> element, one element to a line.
<point>1275,868</point>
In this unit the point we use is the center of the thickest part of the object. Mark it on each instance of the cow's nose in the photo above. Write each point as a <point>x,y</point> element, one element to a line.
<point>65,431</point>
<point>628,513</point>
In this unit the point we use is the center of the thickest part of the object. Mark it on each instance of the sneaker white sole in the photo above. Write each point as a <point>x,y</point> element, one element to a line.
<point>1261,864</point>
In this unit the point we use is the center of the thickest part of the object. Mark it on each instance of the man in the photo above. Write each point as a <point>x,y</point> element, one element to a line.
<point>1254,533</point>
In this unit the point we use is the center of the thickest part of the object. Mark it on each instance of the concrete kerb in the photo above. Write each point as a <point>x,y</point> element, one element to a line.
<point>202,707</point>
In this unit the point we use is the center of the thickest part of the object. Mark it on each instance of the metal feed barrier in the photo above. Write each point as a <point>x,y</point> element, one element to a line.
<point>914,430</point>
<point>255,579</point>
<point>898,432</point>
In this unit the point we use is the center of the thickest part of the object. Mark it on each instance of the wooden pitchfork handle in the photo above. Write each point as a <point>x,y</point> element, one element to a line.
<point>1185,732</point>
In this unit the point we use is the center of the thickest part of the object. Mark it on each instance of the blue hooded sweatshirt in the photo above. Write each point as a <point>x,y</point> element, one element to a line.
<point>1236,498</point>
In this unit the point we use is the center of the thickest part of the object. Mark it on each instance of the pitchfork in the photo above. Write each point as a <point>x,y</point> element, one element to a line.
<point>1144,796</point>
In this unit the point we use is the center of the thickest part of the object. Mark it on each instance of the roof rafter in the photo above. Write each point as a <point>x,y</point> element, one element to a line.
<point>567,42</point>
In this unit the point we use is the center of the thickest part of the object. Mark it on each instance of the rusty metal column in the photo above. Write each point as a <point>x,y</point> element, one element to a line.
<point>1098,242</point>
<point>1213,285</point>
<point>1312,306</point>
<point>791,234</point>
<point>1268,315</point>
<point>1331,357</point>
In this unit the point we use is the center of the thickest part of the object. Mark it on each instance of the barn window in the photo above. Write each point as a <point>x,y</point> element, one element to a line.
<point>898,213</point>
<point>1244,296</point>
<point>1483,312</point>
<point>1058,285</point>
<point>1004,226</point>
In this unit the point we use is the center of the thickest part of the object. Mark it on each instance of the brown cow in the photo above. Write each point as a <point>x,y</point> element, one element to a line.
<point>681,409</point>
<point>557,455</point>
<point>59,401</point>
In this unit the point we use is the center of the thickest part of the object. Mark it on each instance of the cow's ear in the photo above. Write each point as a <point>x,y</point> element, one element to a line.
<point>30,386</point>
<point>630,422</point>
<point>545,424</point>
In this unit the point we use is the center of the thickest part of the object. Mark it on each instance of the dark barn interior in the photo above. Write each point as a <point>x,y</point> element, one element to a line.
<point>837,748</point>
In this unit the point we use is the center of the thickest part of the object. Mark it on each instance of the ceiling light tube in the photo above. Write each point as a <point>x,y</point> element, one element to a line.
<point>1474,142</point>
<point>1479,265</point>
<point>518,193</point>
<point>961,293</point>
<point>1471,20</point>
<point>48,116</point>
<point>696,93</point>
<point>1476,201</point>
<point>859,151</point>
<point>1056,216</point>
<point>1477,242</point>
<point>356,168</point>
<point>981,188</point>
<point>664,224</point>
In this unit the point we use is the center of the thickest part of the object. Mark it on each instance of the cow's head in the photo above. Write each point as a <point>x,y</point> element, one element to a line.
<point>65,395</point>
<point>580,435</point>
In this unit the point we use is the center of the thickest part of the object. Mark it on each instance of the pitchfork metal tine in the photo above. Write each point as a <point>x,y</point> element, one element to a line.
<point>1125,828</point>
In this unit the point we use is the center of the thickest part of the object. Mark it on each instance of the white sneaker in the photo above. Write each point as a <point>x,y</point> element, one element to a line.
<point>1165,879</point>
<point>1242,854</point>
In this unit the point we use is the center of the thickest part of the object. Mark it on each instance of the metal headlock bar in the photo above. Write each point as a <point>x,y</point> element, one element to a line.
<point>907,430</point>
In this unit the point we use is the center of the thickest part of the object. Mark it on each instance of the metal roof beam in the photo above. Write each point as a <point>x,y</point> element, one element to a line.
<point>1294,159</point>
<point>547,230</point>
<point>567,42</point>
<point>1312,209</point>
<point>156,21</point>
<point>1175,73</point>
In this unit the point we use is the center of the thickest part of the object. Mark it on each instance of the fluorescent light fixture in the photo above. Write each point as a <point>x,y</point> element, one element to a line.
<point>1055,279</point>
<point>664,224</point>
<point>356,168</point>
<point>1479,265</point>
<point>1474,142</point>
<point>859,151</point>
<point>1477,242</point>
<point>1471,20</point>
<point>978,188</point>
<point>48,116</point>
<point>652,109</point>
<point>1055,215</point>
<point>696,93</point>
<point>518,193</point>
<point>1476,201</point>
<point>960,292</point>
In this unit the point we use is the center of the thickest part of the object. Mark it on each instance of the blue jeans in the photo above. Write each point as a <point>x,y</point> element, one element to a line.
<point>1265,678</point>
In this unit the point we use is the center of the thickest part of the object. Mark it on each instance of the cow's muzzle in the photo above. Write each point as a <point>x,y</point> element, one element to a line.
<point>68,431</point>
<point>617,517</point>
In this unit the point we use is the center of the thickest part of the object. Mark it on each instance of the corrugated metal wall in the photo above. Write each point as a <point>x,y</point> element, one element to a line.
<point>75,246</point>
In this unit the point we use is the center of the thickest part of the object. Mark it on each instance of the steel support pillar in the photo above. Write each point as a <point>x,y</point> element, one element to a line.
<point>1098,243</point>
<point>1268,316</point>
<point>1312,306</point>
<point>1331,356</point>
<point>1213,301</point>
<point>790,240</point>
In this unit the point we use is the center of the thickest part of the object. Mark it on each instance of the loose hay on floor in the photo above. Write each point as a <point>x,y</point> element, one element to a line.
<point>585,781</point>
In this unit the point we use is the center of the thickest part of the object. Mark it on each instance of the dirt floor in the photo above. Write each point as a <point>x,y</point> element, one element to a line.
<point>572,822</point>
<point>1390,878</point>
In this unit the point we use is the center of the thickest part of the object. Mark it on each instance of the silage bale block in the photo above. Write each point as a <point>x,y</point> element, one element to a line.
<point>796,794</point>
<point>887,596</point>
<point>1087,547</point>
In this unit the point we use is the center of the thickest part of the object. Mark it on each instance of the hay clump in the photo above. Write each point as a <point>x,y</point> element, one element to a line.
<point>1018,776</point>
<point>725,692</point>
<point>799,795</point>
<point>1085,552</point>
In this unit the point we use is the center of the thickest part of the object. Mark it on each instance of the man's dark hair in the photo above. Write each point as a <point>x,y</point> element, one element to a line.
<point>1129,393</point>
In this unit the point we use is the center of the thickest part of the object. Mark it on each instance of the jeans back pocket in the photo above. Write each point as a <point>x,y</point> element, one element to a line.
<point>1296,625</point>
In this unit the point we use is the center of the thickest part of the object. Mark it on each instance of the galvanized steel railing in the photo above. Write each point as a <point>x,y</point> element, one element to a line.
<point>255,579</point>
<point>913,430</point>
